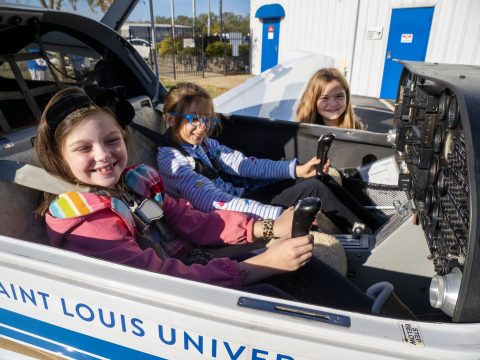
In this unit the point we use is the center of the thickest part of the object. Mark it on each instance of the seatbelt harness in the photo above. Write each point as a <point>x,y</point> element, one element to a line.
<point>145,213</point>
<point>36,178</point>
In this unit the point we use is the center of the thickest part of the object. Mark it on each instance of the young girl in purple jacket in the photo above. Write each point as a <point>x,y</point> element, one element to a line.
<point>83,141</point>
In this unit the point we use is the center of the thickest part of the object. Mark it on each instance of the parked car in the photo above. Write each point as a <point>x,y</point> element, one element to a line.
<point>143,47</point>
<point>427,243</point>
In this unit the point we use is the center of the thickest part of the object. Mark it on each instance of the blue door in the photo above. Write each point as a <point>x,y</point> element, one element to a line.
<point>270,43</point>
<point>407,40</point>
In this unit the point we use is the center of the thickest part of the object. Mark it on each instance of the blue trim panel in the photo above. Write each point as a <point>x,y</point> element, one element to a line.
<point>43,344</point>
<point>271,11</point>
<point>64,336</point>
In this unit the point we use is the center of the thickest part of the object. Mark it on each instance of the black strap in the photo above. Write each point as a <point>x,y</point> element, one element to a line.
<point>213,160</point>
<point>216,167</point>
<point>144,226</point>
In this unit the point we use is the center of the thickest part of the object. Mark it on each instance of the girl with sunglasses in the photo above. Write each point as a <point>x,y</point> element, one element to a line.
<point>213,176</point>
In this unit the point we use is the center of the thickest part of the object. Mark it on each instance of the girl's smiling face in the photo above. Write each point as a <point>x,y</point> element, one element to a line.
<point>95,150</point>
<point>332,103</point>
<point>194,135</point>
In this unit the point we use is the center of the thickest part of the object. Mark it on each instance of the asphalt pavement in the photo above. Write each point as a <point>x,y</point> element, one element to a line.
<point>376,113</point>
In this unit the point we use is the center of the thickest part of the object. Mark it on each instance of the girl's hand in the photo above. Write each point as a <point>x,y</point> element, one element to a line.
<point>282,227</point>
<point>326,166</point>
<point>289,254</point>
<point>309,168</point>
<point>282,256</point>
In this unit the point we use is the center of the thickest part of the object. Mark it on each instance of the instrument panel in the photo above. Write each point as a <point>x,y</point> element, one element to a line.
<point>437,117</point>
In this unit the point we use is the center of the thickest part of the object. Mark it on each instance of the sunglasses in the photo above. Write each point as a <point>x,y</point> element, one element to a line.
<point>196,120</point>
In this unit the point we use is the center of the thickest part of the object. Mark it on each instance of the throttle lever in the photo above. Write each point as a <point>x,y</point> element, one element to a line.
<point>304,214</point>
<point>324,142</point>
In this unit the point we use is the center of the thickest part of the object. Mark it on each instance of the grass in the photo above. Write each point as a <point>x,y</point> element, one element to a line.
<point>214,91</point>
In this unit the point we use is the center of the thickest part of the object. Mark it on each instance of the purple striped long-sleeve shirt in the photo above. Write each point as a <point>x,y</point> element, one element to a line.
<point>207,195</point>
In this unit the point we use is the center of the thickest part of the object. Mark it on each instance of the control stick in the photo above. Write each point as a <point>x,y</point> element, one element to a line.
<point>304,214</point>
<point>324,142</point>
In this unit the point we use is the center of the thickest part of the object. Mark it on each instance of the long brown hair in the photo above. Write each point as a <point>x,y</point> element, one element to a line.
<point>179,98</point>
<point>49,142</point>
<point>307,108</point>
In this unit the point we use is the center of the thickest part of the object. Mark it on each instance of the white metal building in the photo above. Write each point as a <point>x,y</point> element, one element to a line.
<point>356,33</point>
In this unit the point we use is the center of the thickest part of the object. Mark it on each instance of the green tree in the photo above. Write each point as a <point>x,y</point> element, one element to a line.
<point>218,48</point>
<point>93,4</point>
<point>183,20</point>
<point>244,50</point>
<point>202,21</point>
<point>165,47</point>
<point>231,22</point>
<point>162,20</point>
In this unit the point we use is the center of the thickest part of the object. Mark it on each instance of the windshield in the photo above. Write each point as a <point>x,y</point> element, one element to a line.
<point>94,9</point>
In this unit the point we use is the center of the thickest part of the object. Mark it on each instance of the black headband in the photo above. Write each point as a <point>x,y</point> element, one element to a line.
<point>114,98</point>
<point>64,107</point>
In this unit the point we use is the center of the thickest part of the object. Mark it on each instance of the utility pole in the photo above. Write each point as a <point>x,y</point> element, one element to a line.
<point>208,19</point>
<point>154,50</point>
<point>221,19</point>
<point>223,40</point>
<point>194,11</point>
<point>172,15</point>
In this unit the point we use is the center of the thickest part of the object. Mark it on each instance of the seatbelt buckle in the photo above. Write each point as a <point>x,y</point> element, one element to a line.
<point>148,211</point>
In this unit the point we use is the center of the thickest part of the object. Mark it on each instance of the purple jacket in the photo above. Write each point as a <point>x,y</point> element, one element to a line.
<point>99,226</point>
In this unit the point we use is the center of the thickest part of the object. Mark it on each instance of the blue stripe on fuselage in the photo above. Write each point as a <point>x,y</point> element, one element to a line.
<point>69,339</point>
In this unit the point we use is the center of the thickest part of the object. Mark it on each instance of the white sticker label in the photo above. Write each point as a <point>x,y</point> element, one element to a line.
<point>411,334</point>
<point>270,32</point>
<point>188,43</point>
<point>406,38</point>
<point>374,32</point>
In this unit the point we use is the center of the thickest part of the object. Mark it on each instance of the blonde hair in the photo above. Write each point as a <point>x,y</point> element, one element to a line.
<point>49,144</point>
<point>181,97</point>
<point>307,108</point>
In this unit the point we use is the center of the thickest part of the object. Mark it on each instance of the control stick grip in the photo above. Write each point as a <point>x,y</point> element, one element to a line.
<point>304,214</point>
<point>324,142</point>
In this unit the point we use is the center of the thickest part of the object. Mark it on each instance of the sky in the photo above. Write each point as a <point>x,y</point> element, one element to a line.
<point>160,7</point>
<point>185,7</point>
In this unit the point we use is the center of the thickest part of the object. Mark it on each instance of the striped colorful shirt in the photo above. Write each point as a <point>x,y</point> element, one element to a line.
<point>181,180</point>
